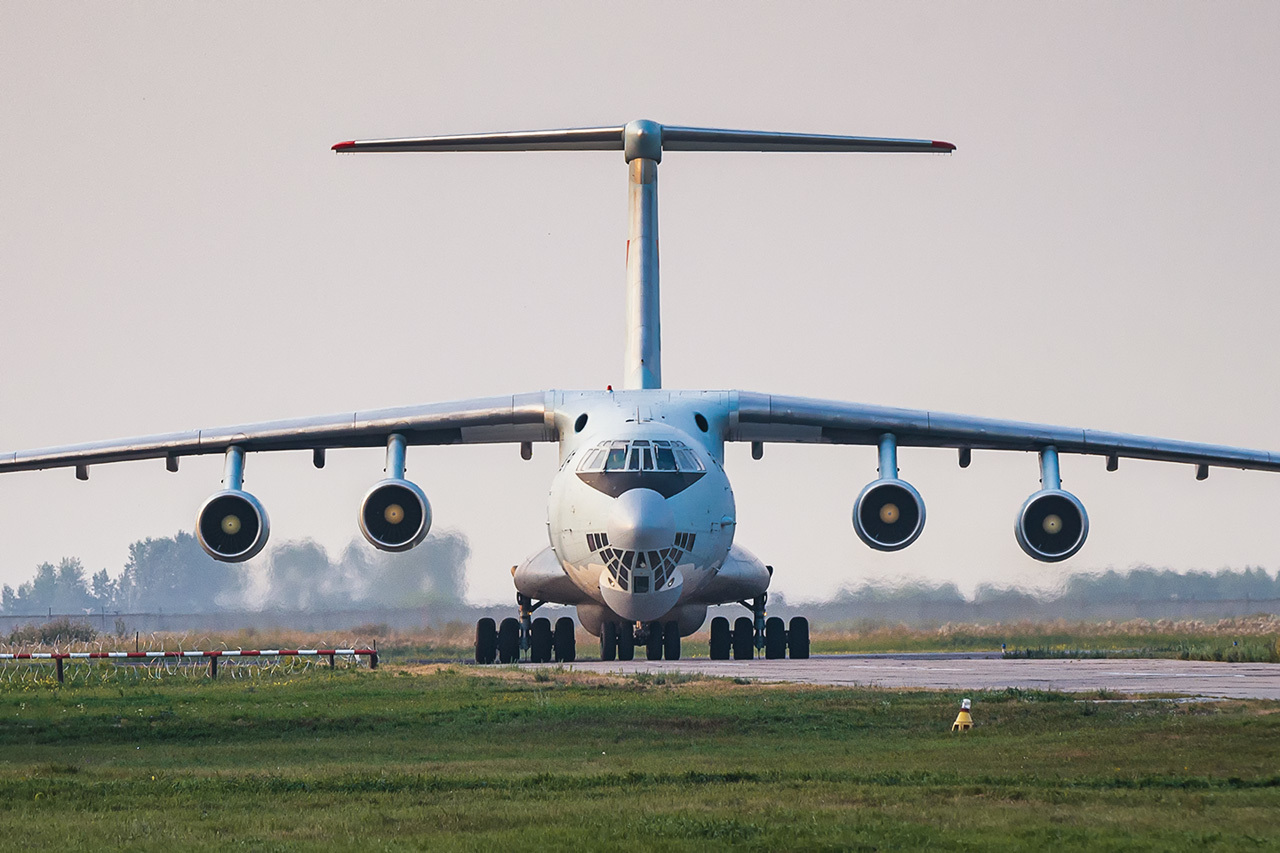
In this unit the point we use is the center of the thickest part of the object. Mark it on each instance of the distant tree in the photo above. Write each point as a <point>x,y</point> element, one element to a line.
<point>174,574</point>
<point>58,588</point>
<point>104,589</point>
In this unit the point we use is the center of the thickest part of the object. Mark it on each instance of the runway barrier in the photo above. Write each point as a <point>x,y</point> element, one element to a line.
<point>212,656</point>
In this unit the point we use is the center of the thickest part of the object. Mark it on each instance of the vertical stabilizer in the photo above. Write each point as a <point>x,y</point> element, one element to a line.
<point>642,359</point>
<point>642,143</point>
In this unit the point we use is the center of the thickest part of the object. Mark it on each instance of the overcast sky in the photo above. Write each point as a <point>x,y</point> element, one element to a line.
<point>180,249</point>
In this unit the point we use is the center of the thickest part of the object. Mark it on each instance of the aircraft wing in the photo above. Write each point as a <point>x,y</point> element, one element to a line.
<point>512,418</point>
<point>770,417</point>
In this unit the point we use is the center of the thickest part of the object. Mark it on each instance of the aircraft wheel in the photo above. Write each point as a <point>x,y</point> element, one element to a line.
<point>608,641</point>
<point>721,638</point>
<point>653,645</point>
<point>744,638</point>
<point>486,640</point>
<point>775,638</point>
<point>626,641</point>
<point>509,641</point>
<point>798,638</point>
<point>540,640</point>
<point>565,641</point>
<point>671,641</point>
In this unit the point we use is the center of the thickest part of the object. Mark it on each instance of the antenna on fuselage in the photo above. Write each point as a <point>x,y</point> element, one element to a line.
<point>642,143</point>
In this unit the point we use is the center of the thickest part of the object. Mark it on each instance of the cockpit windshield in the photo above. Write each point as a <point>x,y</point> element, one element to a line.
<point>640,455</point>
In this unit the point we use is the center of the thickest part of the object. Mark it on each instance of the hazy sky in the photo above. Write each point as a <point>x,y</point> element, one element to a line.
<point>179,248</point>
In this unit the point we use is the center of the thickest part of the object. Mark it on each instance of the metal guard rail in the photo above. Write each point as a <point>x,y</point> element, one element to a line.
<point>212,656</point>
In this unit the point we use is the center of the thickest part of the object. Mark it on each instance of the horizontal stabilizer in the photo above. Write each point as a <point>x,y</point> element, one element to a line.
<point>646,139</point>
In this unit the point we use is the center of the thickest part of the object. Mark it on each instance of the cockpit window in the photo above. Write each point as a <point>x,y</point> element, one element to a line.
<point>641,455</point>
<point>616,460</point>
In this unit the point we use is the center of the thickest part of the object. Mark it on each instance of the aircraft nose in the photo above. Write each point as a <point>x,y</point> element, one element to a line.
<point>641,520</point>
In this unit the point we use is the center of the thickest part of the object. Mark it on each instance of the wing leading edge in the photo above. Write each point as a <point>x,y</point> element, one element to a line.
<point>770,417</point>
<point>514,418</point>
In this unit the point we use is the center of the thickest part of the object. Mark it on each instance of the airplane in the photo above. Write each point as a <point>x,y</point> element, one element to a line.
<point>641,518</point>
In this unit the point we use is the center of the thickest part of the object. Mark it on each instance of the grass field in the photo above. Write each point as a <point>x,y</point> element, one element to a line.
<point>458,758</point>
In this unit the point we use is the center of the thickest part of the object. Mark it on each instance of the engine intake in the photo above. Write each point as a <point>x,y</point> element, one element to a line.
<point>395,515</point>
<point>1052,525</point>
<point>232,526</point>
<point>888,515</point>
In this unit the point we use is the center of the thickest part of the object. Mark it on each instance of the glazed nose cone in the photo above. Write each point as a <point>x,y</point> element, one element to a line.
<point>641,520</point>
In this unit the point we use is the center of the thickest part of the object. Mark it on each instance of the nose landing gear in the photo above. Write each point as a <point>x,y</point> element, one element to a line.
<point>618,640</point>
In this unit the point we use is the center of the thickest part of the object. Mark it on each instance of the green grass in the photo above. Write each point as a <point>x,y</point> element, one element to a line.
<point>1251,639</point>
<point>305,758</point>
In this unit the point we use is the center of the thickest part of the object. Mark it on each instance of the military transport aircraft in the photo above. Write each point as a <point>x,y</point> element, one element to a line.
<point>641,515</point>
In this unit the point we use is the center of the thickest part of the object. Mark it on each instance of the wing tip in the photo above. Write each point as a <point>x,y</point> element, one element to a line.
<point>946,147</point>
<point>347,146</point>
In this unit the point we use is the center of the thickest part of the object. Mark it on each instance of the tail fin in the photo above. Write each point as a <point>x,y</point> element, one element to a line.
<point>642,144</point>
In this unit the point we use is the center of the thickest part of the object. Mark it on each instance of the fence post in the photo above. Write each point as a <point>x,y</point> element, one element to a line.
<point>373,660</point>
<point>332,663</point>
<point>213,666</point>
<point>58,661</point>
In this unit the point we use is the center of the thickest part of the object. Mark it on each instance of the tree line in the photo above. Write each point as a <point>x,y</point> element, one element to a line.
<point>173,574</point>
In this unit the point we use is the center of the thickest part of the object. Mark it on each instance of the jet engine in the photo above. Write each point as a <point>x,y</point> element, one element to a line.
<point>232,526</point>
<point>1052,525</point>
<point>888,515</point>
<point>395,515</point>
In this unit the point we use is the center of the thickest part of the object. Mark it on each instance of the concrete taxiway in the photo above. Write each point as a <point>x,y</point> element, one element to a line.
<point>985,672</point>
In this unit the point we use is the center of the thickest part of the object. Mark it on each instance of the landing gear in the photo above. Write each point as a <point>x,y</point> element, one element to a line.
<point>798,638</point>
<point>626,641</point>
<point>486,640</point>
<point>653,641</point>
<point>540,641</point>
<point>775,638</point>
<point>755,632</point>
<point>662,640</point>
<point>565,640</point>
<point>509,641</point>
<point>671,641</point>
<point>743,638</point>
<point>721,638</point>
<point>609,641</point>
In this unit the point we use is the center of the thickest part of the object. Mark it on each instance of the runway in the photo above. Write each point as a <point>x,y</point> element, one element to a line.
<point>984,672</point>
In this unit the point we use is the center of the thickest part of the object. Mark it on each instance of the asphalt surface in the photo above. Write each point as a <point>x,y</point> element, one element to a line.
<point>983,672</point>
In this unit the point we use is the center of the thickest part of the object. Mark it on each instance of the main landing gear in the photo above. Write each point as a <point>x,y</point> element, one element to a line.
<point>755,632</point>
<point>504,642</point>
<point>661,640</point>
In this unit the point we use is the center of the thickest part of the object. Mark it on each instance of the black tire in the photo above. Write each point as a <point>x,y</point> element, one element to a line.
<point>653,646</point>
<point>744,638</point>
<point>486,640</point>
<point>509,641</point>
<point>608,641</point>
<point>540,640</point>
<point>798,638</point>
<point>721,638</point>
<point>671,641</point>
<point>775,638</point>
<point>626,642</point>
<point>565,640</point>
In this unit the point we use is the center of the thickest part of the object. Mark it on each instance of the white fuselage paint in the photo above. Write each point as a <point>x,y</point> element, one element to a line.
<point>686,518</point>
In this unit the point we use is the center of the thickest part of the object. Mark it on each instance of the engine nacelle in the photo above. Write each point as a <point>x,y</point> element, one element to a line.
<point>232,526</point>
<point>395,515</point>
<point>1052,525</point>
<point>888,515</point>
